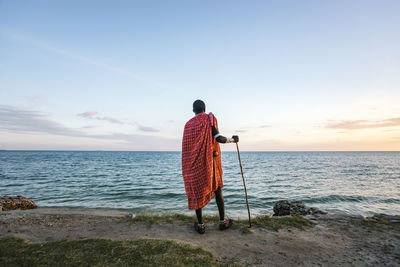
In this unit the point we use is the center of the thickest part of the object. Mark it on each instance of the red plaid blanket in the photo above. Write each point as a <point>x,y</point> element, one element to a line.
<point>202,174</point>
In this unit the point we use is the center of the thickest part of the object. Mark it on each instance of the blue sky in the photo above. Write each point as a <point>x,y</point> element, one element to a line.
<point>122,75</point>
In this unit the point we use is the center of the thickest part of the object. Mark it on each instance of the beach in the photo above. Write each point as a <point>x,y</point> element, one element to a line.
<point>329,240</point>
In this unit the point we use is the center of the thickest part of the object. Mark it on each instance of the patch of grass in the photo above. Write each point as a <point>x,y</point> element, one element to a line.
<point>275,223</point>
<point>264,221</point>
<point>102,252</point>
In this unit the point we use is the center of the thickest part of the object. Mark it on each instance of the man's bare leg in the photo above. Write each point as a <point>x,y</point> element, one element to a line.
<point>199,226</point>
<point>223,224</point>
<point>199,216</point>
<point>220,203</point>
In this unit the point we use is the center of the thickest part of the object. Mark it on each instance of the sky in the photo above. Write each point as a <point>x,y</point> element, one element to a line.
<point>122,75</point>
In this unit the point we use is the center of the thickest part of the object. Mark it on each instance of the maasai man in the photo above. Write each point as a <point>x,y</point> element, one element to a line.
<point>201,164</point>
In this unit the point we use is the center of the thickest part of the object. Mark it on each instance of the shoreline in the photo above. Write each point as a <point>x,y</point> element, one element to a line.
<point>330,240</point>
<point>229,213</point>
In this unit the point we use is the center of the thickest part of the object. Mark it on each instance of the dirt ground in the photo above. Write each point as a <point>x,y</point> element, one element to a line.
<point>334,240</point>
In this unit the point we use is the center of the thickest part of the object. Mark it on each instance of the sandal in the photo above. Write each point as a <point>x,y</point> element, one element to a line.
<point>200,227</point>
<point>225,224</point>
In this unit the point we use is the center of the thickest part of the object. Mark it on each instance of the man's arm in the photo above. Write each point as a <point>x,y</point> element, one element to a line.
<point>223,139</point>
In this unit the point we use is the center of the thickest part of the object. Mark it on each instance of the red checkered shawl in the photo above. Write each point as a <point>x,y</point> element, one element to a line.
<point>198,166</point>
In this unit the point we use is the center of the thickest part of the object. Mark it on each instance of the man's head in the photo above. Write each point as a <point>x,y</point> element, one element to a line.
<point>199,106</point>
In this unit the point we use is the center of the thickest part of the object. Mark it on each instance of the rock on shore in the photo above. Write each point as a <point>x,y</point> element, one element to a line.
<point>285,207</point>
<point>15,203</point>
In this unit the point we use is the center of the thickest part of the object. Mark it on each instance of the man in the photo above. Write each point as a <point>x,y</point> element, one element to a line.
<point>201,164</point>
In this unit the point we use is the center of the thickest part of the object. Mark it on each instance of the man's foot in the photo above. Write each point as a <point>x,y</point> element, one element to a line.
<point>225,224</point>
<point>200,227</point>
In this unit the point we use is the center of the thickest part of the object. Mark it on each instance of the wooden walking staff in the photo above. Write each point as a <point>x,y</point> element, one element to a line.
<point>244,184</point>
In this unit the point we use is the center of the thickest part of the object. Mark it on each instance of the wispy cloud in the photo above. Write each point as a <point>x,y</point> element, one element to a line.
<point>246,129</point>
<point>17,120</point>
<point>111,120</point>
<point>89,127</point>
<point>147,128</point>
<point>363,124</point>
<point>22,121</point>
<point>88,115</point>
<point>93,115</point>
<point>45,45</point>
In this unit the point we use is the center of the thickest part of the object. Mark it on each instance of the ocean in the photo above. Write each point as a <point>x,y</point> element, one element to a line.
<point>361,183</point>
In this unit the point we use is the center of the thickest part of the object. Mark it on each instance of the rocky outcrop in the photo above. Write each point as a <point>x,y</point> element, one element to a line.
<point>285,208</point>
<point>15,203</point>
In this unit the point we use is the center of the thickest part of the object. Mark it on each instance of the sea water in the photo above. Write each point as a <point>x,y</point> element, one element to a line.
<point>360,183</point>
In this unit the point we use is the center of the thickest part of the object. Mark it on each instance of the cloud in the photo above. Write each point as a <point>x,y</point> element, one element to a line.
<point>147,128</point>
<point>44,45</point>
<point>109,119</point>
<point>17,120</point>
<point>88,115</point>
<point>92,115</point>
<point>246,129</point>
<point>363,124</point>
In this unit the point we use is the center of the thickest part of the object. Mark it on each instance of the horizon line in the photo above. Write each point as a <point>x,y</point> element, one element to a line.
<point>85,150</point>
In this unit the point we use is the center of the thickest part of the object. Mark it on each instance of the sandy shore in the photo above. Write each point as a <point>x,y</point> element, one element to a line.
<point>333,240</point>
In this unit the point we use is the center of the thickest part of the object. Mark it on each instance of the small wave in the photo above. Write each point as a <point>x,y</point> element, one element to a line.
<point>7,185</point>
<point>389,201</point>
<point>165,195</point>
<point>335,198</point>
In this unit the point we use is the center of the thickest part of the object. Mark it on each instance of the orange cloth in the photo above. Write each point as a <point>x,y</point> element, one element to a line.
<point>202,172</point>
